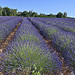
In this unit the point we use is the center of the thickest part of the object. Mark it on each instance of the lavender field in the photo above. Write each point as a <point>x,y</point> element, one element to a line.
<point>7,24</point>
<point>28,53</point>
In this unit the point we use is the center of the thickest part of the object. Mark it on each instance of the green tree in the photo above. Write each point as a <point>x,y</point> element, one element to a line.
<point>19,13</point>
<point>30,13</point>
<point>0,11</point>
<point>6,11</point>
<point>34,14</point>
<point>25,14</point>
<point>65,15</point>
<point>51,16</point>
<point>42,15</point>
<point>59,15</point>
<point>13,12</point>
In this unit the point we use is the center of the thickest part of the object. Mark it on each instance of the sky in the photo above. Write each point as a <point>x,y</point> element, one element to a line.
<point>42,6</point>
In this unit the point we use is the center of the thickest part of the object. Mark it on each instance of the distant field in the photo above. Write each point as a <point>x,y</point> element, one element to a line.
<point>28,51</point>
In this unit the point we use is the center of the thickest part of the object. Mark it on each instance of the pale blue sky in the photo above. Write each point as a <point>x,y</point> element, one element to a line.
<point>42,6</point>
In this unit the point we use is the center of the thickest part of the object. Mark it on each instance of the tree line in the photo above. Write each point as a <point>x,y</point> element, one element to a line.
<point>5,11</point>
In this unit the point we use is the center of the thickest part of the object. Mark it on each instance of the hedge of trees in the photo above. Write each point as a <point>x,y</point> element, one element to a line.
<point>13,12</point>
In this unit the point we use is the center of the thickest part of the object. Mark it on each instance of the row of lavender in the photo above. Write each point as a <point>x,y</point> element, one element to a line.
<point>63,23</point>
<point>7,24</point>
<point>29,52</point>
<point>63,40</point>
<point>3,18</point>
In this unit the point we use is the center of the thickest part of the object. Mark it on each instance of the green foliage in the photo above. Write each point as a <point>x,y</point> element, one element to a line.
<point>13,12</point>
<point>59,15</point>
<point>25,14</point>
<point>35,71</point>
<point>51,16</point>
<point>7,11</point>
<point>65,15</point>
<point>0,11</point>
<point>4,13</point>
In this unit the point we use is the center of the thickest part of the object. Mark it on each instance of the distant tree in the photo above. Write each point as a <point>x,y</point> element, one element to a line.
<point>6,11</point>
<point>34,14</point>
<point>54,16</point>
<point>59,15</point>
<point>65,15</point>
<point>42,15</point>
<point>30,13</point>
<point>13,12</point>
<point>19,13</point>
<point>0,11</point>
<point>51,16</point>
<point>25,14</point>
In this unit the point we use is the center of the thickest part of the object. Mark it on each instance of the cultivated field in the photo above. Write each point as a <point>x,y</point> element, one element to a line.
<point>39,46</point>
